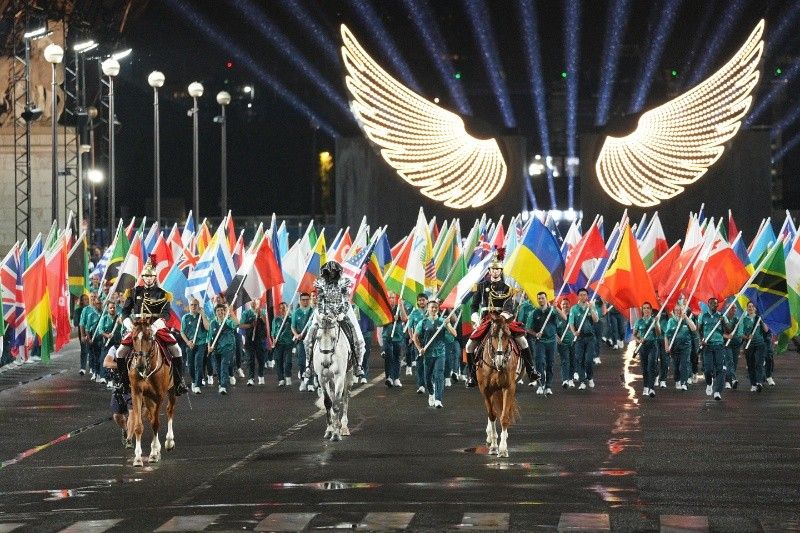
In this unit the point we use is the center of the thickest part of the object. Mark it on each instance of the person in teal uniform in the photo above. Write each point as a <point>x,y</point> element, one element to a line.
<point>646,331</point>
<point>282,346</point>
<point>299,319</point>
<point>566,345</point>
<point>109,333</point>
<point>541,326</point>
<point>712,328</point>
<point>222,350</point>
<point>663,360</point>
<point>752,330</point>
<point>90,318</point>
<point>681,350</point>
<point>416,314</point>
<point>429,339</point>
<point>392,342</point>
<point>582,316</point>
<point>194,332</point>
<point>733,345</point>
<point>253,324</point>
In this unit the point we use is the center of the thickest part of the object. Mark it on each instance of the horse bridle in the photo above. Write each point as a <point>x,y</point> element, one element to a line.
<point>147,357</point>
<point>326,324</point>
<point>501,355</point>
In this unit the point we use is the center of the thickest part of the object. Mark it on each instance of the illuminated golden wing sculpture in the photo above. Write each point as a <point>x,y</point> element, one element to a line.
<point>676,143</point>
<point>427,145</point>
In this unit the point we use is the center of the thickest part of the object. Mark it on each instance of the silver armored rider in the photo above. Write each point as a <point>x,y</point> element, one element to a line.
<point>333,299</point>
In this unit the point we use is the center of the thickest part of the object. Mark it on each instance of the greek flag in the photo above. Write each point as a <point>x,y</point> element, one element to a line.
<point>213,272</point>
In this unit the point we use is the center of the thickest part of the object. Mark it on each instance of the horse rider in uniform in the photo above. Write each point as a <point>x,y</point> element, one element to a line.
<point>150,299</point>
<point>333,299</point>
<point>493,296</point>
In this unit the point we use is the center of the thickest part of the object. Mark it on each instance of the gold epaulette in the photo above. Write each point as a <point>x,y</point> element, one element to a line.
<point>475,287</point>
<point>126,294</point>
<point>168,296</point>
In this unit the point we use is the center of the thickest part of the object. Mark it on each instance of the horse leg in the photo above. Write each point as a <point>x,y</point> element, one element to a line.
<point>155,445</point>
<point>336,400</point>
<point>505,421</point>
<point>138,429</point>
<point>345,403</point>
<point>491,434</point>
<point>169,440</point>
<point>328,405</point>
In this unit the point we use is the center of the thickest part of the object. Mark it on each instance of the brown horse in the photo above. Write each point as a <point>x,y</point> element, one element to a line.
<point>497,380</point>
<point>151,381</point>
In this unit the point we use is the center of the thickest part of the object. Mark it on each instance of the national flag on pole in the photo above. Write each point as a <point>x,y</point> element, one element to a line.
<point>214,270</point>
<point>237,253</point>
<point>118,253</point>
<point>447,292</point>
<point>769,291</point>
<point>8,286</point>
<point>653,243</point>
<point>203,238</point>
<point>761,242</point>
<point>793,291</point>
<point>189,231</point>
<point>353,268</point>
<point>56,264</point>
<point>371,294</point>
<point>150,240</point>
<point>131,268</point>
<point>733,231</point>
<point>383,251</point>
<point>295,262</point>
<point>466,284</point>
<point>131,228</point>
<point>537,264</point>
<point>626,283</point>
<point>175,283</point>
<point>589,247</point>
<point>78,267</point>
<point>35,249</point>
<point>343,247</point>
<point>407,277</point>
<point>162,257</point>
<point>174,242</point>
<point>37,304</point>
<point>231,230</point>
<point>724,273</point>
<point>663,267</point>
<point>571,239</point>
<point>315,261</point>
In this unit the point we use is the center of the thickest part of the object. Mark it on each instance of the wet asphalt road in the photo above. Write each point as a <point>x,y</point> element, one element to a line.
<point>256,458</point>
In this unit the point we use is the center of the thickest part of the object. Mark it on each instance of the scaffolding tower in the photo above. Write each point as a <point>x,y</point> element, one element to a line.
<point>21,92</point>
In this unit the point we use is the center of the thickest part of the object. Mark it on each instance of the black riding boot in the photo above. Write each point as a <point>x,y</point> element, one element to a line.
<point>527,359</point>
<point>472,378</point>
<point>177,376</point>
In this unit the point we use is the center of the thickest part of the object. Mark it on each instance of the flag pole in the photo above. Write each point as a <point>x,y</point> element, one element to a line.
<point>228,313</point>
<point>758,323</point>
<point>440,328</point>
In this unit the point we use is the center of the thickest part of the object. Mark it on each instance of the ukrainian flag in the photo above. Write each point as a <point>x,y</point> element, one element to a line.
<point>536,263</point>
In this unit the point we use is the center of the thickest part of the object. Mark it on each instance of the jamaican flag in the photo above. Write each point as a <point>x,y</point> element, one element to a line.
<point>78,267</point>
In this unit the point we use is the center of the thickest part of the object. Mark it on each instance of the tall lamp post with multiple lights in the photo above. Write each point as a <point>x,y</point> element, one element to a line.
<point>53,54</point>
<point>195,91</point>
<point>110,68</point>
<point>156,80</point>
<point>223,99</point>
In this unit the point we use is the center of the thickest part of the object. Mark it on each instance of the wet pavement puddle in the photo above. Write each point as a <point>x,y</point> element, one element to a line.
<point>326,485</point>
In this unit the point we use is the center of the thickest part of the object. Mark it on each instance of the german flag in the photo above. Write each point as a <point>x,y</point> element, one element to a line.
<point>371,295</point>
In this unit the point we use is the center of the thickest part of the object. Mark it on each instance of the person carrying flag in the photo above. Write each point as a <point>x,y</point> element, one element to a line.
<point>151,300</point>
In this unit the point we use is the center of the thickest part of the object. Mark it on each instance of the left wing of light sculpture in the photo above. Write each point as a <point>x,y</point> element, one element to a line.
<point>676,143</point>
<point>428,146</point>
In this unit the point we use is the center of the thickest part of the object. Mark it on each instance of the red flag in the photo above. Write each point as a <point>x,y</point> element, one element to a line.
<point>399,246</point>
<point>231,234</point>
<point>175,242</point>
<point>733,231</point>
<point>626,283</point>
<point>163,258</point>
<point>267,267</point>
<point>724,274</point>
<point>345,243</point>
<point>57,288</point>
<point>499,237</point>
<point>591,246</point>
<point>663,268</point>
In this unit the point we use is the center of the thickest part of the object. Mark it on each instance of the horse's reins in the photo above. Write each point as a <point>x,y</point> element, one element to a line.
<point>331,325</point>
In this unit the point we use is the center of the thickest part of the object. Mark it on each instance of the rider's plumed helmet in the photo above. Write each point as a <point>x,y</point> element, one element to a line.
<point>149,266</point>
<point>497,258</point>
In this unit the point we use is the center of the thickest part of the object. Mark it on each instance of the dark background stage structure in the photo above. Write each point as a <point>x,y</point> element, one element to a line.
<point>367,185</point>
<point>739,181</point>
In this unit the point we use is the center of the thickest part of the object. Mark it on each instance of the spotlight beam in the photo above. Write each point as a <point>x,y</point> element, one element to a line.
<point>787,120</point>
<point>437,49</point>
<point>711,48</point>
<point>381,38</point>
<point>697,41</point>
<point>481,27</point>
<point>572,16</point>
<point>787,23</point>
<point>790,145</point>
<point>763,103</point>
<point>615,30</point>
<point>658,43</point>
<point>182,8</point>
<point>315,30</point>
<point>270,31</point>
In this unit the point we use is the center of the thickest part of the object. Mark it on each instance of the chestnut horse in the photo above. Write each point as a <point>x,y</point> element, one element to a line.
<point>151,381</point>
<point>497,380</point>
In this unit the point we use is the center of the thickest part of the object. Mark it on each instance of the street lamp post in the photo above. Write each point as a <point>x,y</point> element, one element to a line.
<point>110,68</point>
<point>223,99</point>
<point>195,91</point>
<point>53,54</point>
<point>156,80</point>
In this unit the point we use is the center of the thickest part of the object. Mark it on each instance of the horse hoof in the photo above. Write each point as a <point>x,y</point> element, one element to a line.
<point>493,450</point>
<point>138,462</point>
<point>327,435</point>
<point>169,445</point>
<point>502,453</point>
<point>154,458</point>
<point>345,432</point>
<point>336,437</point>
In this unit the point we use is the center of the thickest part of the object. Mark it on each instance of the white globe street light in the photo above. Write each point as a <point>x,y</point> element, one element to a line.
<point>195,91</point>
<point>156,80</point>
<point>223,99</point>
<point>110,68</point>
<point>53,54</point>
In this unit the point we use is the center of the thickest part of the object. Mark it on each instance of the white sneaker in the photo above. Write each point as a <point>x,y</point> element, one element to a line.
<point>652,393</point>
<point>311,387</point>
<point>261,381</point>
<point>771,382</point>
<point>102,380</point>
<point>288,382</point>
<point>210,380</point>
<point>271,364</point>
<point>597,361</point>
<point>582,386</point>
<point>109,385</point>
<point>421,390</point>
<point>241,373</point>
<point>408,371</point>
<point>663,384</point>
<point>397,383</point>
<point>575,376</point>
<point>620,344</point>
<point>303,386</point>
<point>521,382</point>
<point>678,385</point>
<point>645,391</point>
<point>250,383</point>
<point>82,372</point>
<point>571,384</point>
<point>709,390</point>
<point>591,383</point>
<point>565,384</point>
<point>548,391</point>
<point>438,404</point>
<point>413,363</point>
<point>540,390</point>
<point>753,388</point>
<point>689,380</point>
<point>233,380</point>
<point>728,385</point>
<point>431,399</point>
<point>362,380</point>
<point>717,396</point>
<point>684,387</point>
<point>531,384</point>
<point>282,383</point>
<point>448,382</point>
<point>195,389</point>
<point>223,390</point>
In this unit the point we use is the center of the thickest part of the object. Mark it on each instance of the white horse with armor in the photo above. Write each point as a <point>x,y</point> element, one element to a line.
<point>331,357</point>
